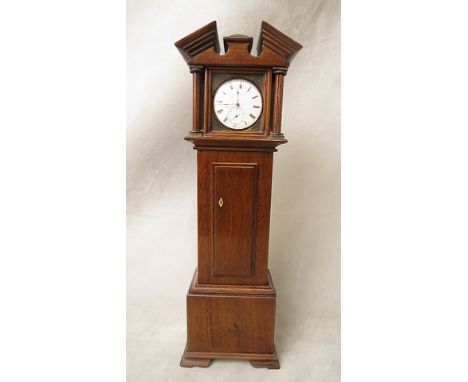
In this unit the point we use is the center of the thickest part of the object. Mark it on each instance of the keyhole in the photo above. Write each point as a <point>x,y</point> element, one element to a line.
<point>220,202</point>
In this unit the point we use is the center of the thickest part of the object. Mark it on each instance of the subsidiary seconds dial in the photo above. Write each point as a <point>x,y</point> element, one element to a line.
<point>237,104</point>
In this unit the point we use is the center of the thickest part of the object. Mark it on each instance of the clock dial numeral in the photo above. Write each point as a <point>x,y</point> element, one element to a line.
<point>255,97</point>
<point>252,116</point>
<point>257,107</point>
<point>220,111</point>
<point>249,89</point>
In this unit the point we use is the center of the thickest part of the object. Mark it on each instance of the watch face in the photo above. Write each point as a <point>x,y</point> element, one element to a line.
<point>237,104</point>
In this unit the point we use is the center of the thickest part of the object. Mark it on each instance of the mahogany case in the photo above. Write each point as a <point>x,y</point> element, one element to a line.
<point>231,301</point>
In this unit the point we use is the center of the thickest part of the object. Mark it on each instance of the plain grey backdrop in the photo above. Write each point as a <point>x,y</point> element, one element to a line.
<point>304,256</point>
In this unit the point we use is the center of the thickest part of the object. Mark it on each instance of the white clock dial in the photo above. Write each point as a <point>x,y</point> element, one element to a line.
<point>237,104</point>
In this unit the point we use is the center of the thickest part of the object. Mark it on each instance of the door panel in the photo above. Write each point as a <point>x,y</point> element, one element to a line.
<point>235,204</point>
<point>233,239</point>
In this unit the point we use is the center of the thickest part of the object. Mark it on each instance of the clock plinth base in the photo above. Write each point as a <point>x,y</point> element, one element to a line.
<point>194,362</point>
<point>196,359</point>
<point>269,364</point>
<point>230,322</point>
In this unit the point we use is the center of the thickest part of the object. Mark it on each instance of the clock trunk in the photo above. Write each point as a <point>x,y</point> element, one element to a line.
<point>233,235</point>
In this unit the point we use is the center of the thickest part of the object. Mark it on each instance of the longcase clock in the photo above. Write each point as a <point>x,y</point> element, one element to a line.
<point>237,105</point>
